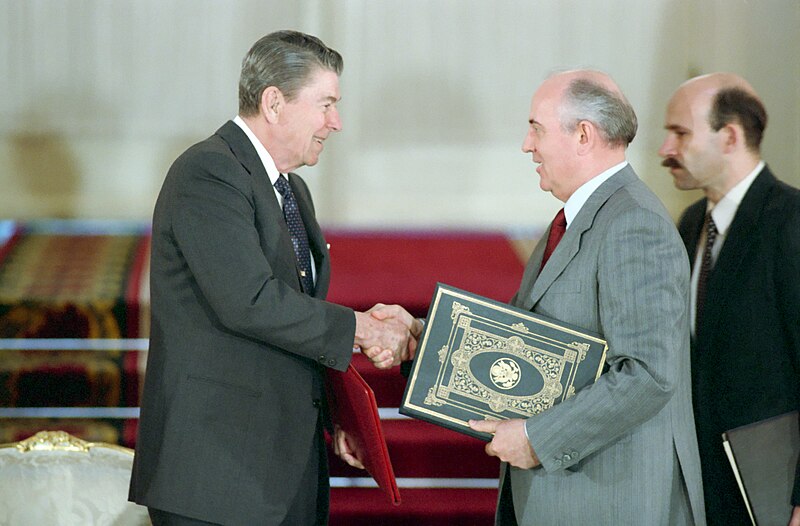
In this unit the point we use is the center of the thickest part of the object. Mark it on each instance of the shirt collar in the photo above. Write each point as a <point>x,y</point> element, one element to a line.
<point>582,194</point>
<point>263,154</point>
<point>724,211</point>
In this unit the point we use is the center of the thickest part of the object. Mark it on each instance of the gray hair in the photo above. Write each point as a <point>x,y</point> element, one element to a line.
<point>284,59</point>
<point>587,100</point>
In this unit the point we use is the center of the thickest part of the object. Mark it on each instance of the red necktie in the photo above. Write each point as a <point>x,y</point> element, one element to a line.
<point>557,230</point>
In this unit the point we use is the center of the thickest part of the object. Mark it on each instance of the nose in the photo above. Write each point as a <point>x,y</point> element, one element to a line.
<point>527,144</point>
<point>667,147</point>
<point>334,121</point>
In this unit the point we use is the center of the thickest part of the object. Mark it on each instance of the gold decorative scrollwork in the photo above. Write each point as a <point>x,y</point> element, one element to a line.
<point>459,359</point>
<point>458,309</point>
<point>520,327</point>
<point>582,349</point>
<point>515,344</point>
<point>464,383</point>
<point>498,404</point>
<point>431,399</point>
<point>53,441</point>
<point>443,354</point>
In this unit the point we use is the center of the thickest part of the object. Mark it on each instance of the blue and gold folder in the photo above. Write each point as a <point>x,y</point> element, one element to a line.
<point>482,359</point>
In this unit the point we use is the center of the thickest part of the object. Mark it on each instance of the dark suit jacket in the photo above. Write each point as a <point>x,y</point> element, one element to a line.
<point>746,354</point>
<point>234,380</point>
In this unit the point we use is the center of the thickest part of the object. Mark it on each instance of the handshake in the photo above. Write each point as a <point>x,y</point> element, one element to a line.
<point>387,335</point>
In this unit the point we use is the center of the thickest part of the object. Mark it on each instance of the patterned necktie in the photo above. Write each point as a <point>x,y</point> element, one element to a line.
<point>298,231</point>
<point>705,267</point>
<point>557,230</point>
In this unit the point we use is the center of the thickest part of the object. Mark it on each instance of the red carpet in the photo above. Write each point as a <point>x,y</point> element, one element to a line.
<point>72,280</point>
<point>420,507</point>
<point>403,267</point>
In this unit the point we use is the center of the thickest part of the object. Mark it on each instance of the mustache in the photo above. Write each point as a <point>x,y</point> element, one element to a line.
<point>671,162</point>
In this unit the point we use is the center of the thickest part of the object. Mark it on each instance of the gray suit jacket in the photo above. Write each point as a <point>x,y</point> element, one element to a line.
<point>622,451</point>
<point>234,381</point>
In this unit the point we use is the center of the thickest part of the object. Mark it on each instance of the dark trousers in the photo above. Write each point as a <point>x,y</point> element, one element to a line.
<point>164,518</point>
<point>505,506</point>
<point>312,503</point>
<point>309,508</point>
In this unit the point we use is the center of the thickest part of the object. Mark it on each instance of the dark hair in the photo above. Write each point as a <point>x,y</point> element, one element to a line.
<point>587,100</point>
<point>742,107</point>
<point>284,59</point>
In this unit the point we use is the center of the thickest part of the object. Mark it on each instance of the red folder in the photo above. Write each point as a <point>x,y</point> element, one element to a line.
<point>353,408</point>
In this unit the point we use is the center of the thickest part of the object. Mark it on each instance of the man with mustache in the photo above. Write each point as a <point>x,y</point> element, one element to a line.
<point>743,241</point>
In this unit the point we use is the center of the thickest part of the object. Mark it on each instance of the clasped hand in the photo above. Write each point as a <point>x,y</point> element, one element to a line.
<point>387,335</point>
<point>509,443</point>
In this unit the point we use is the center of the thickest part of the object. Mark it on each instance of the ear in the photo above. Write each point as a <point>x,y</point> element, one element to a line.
<point>732,137</point>
<point>586,137</point>
<point>272,104</point>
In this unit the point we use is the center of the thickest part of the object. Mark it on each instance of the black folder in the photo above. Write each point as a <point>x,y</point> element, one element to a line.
<point>763,456</point>
<point>481,359</point>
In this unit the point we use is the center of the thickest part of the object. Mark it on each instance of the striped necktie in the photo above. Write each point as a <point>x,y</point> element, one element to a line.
<point>705,268</point>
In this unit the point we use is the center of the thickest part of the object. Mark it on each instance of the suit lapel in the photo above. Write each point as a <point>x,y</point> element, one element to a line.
<point>695,219</point>
<point>738,244</point>
<point>246,153</point>
<point>570,244</point>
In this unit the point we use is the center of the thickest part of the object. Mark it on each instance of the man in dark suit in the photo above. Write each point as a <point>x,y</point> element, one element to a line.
<point>231,427</point>
<point>743,241</point>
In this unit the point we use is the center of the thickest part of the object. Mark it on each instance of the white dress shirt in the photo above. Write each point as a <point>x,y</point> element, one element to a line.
<point>582,194</point>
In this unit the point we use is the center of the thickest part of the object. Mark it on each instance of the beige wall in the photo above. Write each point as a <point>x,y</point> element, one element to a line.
<point>100,97</point>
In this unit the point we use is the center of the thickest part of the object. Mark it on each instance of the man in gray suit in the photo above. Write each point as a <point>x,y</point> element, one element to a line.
<point>623,450</point>
<point>231,427</point>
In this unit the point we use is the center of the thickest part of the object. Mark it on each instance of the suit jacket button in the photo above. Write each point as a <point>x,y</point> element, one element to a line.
<point>317,403</point>
<point>557,462</point>
<point>322,358</point>
<point>331,362</point>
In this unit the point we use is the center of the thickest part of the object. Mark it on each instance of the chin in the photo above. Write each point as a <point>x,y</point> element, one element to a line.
<point>685,183</point>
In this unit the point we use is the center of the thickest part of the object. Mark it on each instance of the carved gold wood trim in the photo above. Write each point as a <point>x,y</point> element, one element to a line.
<point>60,441</point>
